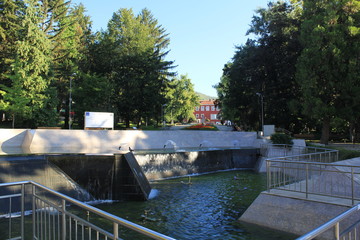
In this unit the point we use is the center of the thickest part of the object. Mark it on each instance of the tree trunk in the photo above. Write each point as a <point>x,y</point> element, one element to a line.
<point>13,121</point>
<point>325,133</point>
<point>66,117</point>
<point>127,122</point>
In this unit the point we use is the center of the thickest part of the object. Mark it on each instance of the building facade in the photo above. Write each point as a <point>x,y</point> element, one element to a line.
<point>207,112</point>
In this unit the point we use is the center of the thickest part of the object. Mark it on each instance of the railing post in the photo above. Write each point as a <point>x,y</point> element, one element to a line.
<point>116,231</point>
<point>63,227</point>
<point>268,174</point>
<point>33,192</point>
<point>337,231</point>
<point>307,181</point>
<point>22,210</point>
<point>352,186</point>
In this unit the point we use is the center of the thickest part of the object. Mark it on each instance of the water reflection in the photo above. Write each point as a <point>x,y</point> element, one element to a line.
<point>208,208</point>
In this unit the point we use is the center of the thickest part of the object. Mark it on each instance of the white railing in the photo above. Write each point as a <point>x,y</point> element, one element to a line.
<point>47,214</point>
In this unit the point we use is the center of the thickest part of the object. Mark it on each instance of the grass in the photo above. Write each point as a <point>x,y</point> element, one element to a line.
<point>343,153</point>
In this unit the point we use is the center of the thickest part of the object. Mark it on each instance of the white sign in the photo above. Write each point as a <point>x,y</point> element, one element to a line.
<point>99,120</point>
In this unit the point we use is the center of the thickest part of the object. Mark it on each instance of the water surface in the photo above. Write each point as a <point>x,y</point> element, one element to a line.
<point>207,208</point>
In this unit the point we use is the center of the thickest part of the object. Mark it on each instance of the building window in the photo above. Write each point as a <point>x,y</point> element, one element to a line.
<point>213,116</point>
<point>197,115</point>
<point>197,109</point>
<point>202,108</point>
<point>202,116</point>
<point>217,108</point>
<point>212,108</point>
<point>207,108</point>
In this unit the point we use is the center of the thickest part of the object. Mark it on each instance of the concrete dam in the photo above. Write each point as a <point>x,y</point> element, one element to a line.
<point>82,165</point>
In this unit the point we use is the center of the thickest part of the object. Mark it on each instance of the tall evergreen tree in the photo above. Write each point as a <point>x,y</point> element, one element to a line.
<point>136,61</point>
<point>11,12</point>
<point>29,89</point>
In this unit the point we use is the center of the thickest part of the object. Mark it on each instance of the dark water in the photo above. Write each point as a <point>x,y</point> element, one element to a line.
<point>208,208</point>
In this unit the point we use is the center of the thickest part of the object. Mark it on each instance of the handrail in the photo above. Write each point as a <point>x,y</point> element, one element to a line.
<point>106,215</point>
<point>116,220</point>
<point>330,224</point>
<point>300,176</point>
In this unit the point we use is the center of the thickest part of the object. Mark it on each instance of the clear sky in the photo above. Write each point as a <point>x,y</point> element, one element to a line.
<point>203,33</point>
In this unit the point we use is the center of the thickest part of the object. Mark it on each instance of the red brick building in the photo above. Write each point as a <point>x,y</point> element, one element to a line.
<point>207,112</point>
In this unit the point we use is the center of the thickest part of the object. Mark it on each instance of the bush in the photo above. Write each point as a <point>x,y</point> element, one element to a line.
<point>207,127</point>
<point>281,138</point>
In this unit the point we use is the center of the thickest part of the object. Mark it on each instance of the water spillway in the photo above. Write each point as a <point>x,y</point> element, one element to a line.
<point>116,177</point>
<point>107,177</point>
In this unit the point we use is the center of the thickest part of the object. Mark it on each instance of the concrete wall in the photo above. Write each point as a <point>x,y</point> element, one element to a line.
<point>292,215</point>
<point>38,169</point>
<point>98,141</point>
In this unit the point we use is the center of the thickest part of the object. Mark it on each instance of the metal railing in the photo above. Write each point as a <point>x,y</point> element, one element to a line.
<point>349,232</point>
<point>311,153</point>
<point>312,173</point>
<point>315,178</point>
<point>52,215</point>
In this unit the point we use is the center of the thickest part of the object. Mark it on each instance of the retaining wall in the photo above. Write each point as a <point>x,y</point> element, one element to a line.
<point>296,216</point>
<point>100,141</point>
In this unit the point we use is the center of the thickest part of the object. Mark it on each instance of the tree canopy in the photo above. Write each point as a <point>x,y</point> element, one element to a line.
<point>49,53</point>
<point>303,60</point>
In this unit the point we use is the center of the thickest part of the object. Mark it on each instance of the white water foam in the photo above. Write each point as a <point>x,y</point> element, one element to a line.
<point>154,193</point>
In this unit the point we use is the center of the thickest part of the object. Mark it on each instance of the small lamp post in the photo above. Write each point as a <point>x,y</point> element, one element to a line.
<point>163,114</point>
<point>70,99</point>
<point>262,111</point>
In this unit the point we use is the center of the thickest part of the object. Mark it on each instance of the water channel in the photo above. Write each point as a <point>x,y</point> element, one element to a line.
<point>207,208</point>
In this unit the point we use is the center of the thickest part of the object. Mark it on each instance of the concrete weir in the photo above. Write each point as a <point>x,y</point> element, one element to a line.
<point>86,157</point>
<point>102,175</point>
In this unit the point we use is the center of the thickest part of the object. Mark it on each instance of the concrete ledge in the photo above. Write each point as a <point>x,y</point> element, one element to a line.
<point>296,216</point>
<point>93,141</point>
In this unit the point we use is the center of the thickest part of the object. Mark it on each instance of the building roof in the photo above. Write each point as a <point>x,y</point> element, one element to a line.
<point>207,102</point>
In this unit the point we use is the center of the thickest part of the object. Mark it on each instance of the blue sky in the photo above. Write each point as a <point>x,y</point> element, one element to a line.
<point>203,33</point>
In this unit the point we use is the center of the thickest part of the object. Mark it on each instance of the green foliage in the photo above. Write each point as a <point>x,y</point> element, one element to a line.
<point>91,94</point>
<point>281,138</point>
<point>134,48</point>
<point>328,68</point>
<point>44,43</point>
<point>264,66</point>
<point>28,91</point>
<point>182,100</point>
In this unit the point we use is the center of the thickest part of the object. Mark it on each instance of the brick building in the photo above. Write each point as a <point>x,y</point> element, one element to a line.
<point>207,112</point>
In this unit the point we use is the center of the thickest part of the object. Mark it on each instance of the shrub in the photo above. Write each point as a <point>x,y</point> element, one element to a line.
<point>207,127</point>
<point>281,138</point>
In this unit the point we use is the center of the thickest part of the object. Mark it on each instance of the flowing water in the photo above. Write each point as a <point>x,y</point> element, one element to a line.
<point>199,207</point>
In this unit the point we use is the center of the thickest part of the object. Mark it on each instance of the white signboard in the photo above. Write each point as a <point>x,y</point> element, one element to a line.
<point>99,120</point>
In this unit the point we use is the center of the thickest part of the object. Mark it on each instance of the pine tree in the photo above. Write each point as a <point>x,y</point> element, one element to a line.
<point>28,91</point>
